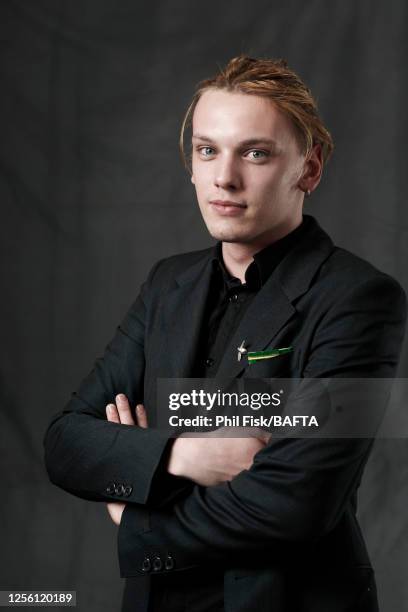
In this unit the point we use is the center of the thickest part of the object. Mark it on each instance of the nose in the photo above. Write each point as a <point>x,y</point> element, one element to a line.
<point>227,174</point>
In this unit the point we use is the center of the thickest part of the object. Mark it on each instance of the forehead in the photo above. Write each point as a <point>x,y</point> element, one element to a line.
<point>228,115</point>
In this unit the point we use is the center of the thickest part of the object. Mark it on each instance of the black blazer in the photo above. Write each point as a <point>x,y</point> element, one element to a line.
<point>285,531</point>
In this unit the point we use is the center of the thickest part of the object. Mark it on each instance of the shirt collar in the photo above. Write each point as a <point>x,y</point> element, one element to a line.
<point>265,261</point>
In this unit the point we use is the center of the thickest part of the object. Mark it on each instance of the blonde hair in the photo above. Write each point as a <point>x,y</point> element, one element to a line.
<point>272,79</point>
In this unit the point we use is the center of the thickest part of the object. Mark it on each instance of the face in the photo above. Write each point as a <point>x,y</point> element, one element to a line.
<point>247,168</point>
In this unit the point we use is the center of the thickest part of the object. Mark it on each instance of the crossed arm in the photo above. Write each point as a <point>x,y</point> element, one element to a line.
<point>293,491</point>
<point>296,490</point>
<point>206,460</point>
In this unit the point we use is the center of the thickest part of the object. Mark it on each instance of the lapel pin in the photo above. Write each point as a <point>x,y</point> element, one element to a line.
<point>241,350</point>
<point>255,356</point>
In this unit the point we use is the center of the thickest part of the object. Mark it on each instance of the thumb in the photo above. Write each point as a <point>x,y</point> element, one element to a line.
<point>265,437</point>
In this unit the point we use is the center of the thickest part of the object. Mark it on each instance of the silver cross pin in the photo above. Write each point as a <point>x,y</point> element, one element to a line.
<point>241,350</point>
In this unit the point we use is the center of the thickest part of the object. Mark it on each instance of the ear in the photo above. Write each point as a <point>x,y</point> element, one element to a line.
<point>192,179</point>
<point>312,170</point>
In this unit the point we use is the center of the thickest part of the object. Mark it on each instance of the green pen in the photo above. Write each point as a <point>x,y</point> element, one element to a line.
<point>259,355</point>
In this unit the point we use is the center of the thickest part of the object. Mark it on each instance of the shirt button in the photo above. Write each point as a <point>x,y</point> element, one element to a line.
<point>233,297</point>
<point>209,362</point>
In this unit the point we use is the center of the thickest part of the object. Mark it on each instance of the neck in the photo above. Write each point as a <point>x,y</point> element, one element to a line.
<point>238,256</point>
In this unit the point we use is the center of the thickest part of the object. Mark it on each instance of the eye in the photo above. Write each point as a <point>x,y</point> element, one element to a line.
<point>256,154</point>
<point>206,151</point>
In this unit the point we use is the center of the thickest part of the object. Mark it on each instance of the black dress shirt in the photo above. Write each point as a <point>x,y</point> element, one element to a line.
<point>201,590</point>
<point>228,299</point>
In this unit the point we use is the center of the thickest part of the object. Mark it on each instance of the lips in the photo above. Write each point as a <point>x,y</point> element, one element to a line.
<point>227,208</point>
<point>227,203</point>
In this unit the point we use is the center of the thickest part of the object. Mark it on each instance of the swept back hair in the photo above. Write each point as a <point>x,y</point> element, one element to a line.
<point>273,79</point>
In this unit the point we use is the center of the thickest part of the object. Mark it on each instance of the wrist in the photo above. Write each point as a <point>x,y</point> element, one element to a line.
<point>177,465</point>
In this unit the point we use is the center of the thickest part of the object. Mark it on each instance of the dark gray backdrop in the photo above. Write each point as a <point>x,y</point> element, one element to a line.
<point>92,193</point>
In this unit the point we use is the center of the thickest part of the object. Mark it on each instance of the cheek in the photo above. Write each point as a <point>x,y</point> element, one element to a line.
<point>276,180</point>
<point>202,178</point>
<point>265,183</point>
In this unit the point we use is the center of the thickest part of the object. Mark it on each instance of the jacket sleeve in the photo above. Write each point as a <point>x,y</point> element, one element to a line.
<point>297,489</point>
<point>87,455</point>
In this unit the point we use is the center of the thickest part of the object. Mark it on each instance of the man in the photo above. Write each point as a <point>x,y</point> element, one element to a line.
<point>256,523</point>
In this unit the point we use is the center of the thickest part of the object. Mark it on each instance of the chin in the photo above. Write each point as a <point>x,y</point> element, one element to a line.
<point>230,236</point>
<point>230,231</point>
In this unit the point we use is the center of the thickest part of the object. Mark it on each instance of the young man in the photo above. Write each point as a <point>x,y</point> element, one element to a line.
<point>255,523</point>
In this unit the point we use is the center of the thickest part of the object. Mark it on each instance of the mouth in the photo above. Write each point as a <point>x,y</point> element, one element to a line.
<point>228,207</point>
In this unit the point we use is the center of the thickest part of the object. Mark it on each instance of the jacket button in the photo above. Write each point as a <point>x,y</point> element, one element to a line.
<point>119,489</point>
<point>169,563</point>
<point>110,489</point>
<point>157,564</point>
<point>209,362</point>
<point>127,490</point>
<point>146,565</point>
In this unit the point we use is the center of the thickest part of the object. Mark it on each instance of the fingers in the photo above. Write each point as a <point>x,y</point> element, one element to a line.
<point>115,510</point>
<point>112,414</point>
<point>125,414</point>
<point>122,414</point>
<point>141,416</point>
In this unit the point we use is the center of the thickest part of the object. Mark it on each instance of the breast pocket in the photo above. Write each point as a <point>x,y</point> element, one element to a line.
<point>281,366</point>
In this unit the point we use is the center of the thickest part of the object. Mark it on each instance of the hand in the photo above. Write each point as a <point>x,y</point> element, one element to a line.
<point>121,413</point>
<point>216,456</point>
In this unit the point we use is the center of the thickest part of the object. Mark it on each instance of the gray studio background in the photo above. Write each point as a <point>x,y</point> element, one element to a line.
<point>92,193</point>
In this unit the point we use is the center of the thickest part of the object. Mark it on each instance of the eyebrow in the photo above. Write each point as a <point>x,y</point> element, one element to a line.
<point>244,143</point>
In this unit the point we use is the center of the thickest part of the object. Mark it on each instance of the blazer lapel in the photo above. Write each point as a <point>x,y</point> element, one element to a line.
<point>267,314</point>
<point>183,315</point>
<point>271,308</point>
<point>273,305</point>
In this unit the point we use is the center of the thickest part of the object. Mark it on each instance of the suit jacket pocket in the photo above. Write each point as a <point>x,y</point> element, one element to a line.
<point>282,366</point>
